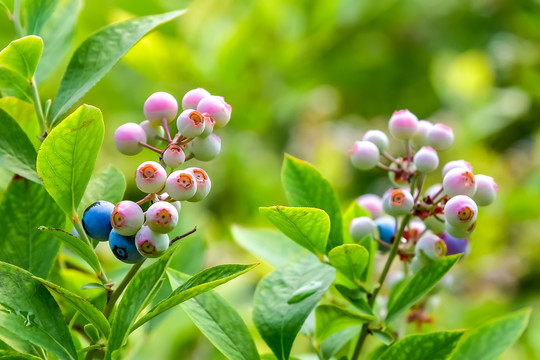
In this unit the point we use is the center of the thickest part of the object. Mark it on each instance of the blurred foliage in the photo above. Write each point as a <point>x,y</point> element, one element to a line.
<point>309,77</point>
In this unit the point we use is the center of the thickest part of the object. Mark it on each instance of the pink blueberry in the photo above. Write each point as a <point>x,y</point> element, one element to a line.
<point>372,203</point>
<point>426,159</point>
<point>459,181</point>
<point>190,123</point>
<point>127,138</point>
<point>431,246</point>
<point>378,138</point>
<point>151,244</point>
<point>205,148</point>
<point>159,106</point>
<point>181,185</point>
<point>150,177</point>
<point>364,155</point>
<point>173,156</point>
<point>486,190</point>
<point>161,217</point>
<point>456,164</point>
<point>127,218</point>
<point>403,124</point>
<point>397,202</point>
<point>440,137</point>
<point>203,183</point>
<point>217,108</point>
<point>193,97</point>
<point>419,138</point>
<point>461,211</point>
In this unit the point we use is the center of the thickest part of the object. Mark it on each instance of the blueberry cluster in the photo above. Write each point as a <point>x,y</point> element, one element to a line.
<point>443,216</point>
<point>132,233</point>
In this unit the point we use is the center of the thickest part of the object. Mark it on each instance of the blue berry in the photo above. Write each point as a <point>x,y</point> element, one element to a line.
<point>96,220</point>
<point>454,245</point>
<point>387,228</point>
<point>123,247</point>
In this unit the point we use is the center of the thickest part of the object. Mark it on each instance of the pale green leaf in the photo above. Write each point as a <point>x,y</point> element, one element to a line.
<point>22,56</point>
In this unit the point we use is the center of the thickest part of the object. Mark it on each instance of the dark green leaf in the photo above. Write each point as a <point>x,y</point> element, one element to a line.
<point>420,284</point>
<point>219,322</point>
<point>16,151</point>
<point>488,341</point>
<point>330,319</point>
<point>85,307</point>
<point>98,54</point>
<point>268,244</point>
<point>24,207</point>
<point>92,332</point>
<point>28,309</point>
<point>22,56</point>
<point>308,227</point>
<point>277,321</point>
<point>13,355</point>
<point>305,186</point>
<point>432,346</point>
<point>351,260</point>
<point>204,281</point>
<point>35,14</point>
<point>108,184</point>
<point>67,157</point>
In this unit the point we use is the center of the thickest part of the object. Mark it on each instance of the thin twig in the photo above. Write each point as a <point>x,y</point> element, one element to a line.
<point>150,147</point>
<point>166,126</point>
<point>183,235</point>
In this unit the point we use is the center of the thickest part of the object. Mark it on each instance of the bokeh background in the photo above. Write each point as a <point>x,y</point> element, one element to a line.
<point>308,78</point>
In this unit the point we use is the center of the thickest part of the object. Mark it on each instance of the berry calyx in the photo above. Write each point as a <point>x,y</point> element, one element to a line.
<point>127,217</point>
<point>151,244</point>
<point>161,217</point>
<point>181,185</point>
<point>150,177</point>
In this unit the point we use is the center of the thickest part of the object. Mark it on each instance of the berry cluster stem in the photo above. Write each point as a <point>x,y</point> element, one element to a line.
<point>120,289</point>
<point>37,105</point>
<point>372,297</point>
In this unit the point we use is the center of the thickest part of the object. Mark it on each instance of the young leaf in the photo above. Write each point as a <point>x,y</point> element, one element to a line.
<point>356,297</point>
<point>35,14</point>
<point>350,259</point>
<point>305,186</point>
<point>85,307</point>
<point>432,346</point>
<point>277,321</point>
<point>78,246</point>
<point>13,84</point>
<point>16,151</point>
<point>308,227</point>
<point>489,340</point>
<point>67,156</point>
<point>22,56</point>
<point>13,355</point>
<point>269,245</point>
<point>219,322</point>
<point>331,345</point>
<point>330,319</point>
<point>204,281</point>
<point>30,311</point>
<point>24,207</point>
<point>108,184</point>
<point>420,284</point>
<point>98,54</point>
<point>25,115</point>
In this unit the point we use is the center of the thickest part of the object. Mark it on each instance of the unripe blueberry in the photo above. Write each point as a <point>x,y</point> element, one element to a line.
<point>403,124</point>
<point>387,228</point>
<point>459,182</point>
<point>440,137</point>
<point>153,132</point>
<point>127,217</point>
<point>203,183</point>
<point>461,211</point>
<point>151,244</point>
<point>458,231</point>
<point>193,97</point>
<point>378,138</point>
<point>397,202</point>
<point>416,228</point>
<point>205,148</point>
<point>435,225</point>
<point>364,155</point>
<point>127,138</point>
<point>454,245</point>
<point>159,106</point>
<point>361,227</point>
<point>426,159</point>
<point>217,108</point>
<point>150,177</point>
<point>419,138</point>
<point>165,197</point>
<point>434,191</point>
<point>190,123</point>
<point>96,220</point>
<point>173,156</point>
<point>486,190</point>
<point>181,185</point>
<point>372,203</point>
<point>161,217</point>
<point>431,246</point>
<point>456,164</point>
<point>209,124</point>
<point>123,247</point>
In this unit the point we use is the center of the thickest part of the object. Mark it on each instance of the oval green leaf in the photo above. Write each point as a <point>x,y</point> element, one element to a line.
<point>108,184</point>
<point>35,13</point>
<point>22,56</point>
<point>432,346</point>
<point>330,319</point>
<point>351,260</point>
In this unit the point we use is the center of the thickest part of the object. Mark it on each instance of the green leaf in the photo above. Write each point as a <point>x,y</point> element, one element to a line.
<point>420,284</point>
<point>22,56</point>
<point>277,321</point>
<point>491,339</point>
<point>353,211</point>
<point>357,298</point>
<point>269,245</point>
<point>305,291</point>
<point>305,186</point>
<point>384,335</point>
<point>35,13</point>
<point>13,355</point>
<point>25,115</point>
<point>16,151</point>
<point>371,246</point>
<point>204,281</point>
<point>29,310</point>
<point>25,206</point>
<point>13,84</point>
<point>331,345</point>
<point>108,184</point>
<point>67,156</point>
<point>137,294</point>
<point>308,227</point>
<point>85,307</point>
<point>219,322</point>
<point>350,259</point>
<point>78,246</point>
<point>330,319</point>
<point>432,346</point>
<point>98,54</point>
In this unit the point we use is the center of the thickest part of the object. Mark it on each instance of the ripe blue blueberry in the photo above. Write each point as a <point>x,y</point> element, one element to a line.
<point>455,245</point>
<point>96,220</point>
<point>123,247</point>
<point>387,228</point>
<point>364,155</point>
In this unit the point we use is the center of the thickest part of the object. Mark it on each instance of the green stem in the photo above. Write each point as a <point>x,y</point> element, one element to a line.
<point>120,289</point>
<point>37,105</point>
<point>373,297</point>
<point>82,235</point>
